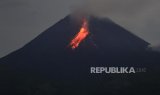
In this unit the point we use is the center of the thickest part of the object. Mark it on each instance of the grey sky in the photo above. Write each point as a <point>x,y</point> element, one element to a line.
<point>23,20</point>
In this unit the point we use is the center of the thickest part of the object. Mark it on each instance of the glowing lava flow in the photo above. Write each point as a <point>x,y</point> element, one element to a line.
<point>81,35</point>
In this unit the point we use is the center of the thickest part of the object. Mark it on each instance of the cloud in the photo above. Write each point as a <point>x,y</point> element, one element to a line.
<point>13,3</point>
<point>141,17</point>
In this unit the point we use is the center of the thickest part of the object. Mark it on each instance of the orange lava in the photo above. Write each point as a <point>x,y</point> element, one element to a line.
<point>81,35</point>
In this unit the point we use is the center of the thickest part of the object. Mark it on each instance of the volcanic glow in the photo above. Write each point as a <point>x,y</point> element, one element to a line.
<point>80,36</point>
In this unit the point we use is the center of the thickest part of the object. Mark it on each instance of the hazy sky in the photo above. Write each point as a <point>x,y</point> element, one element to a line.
<point>23,20</point>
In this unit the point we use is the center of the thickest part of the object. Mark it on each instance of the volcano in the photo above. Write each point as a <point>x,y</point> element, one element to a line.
<point>104,35</point>
<point>55,55</point>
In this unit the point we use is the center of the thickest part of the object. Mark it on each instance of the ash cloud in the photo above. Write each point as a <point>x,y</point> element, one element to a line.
<point>141,17</point>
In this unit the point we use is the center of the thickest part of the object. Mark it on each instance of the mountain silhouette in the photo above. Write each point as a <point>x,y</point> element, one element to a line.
<point>48,57</point>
